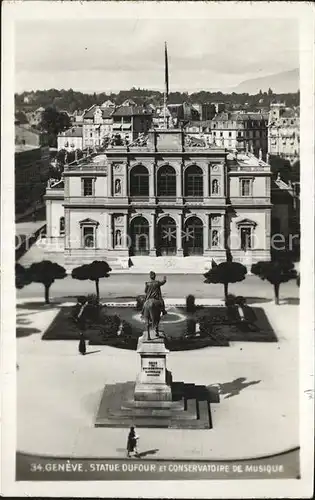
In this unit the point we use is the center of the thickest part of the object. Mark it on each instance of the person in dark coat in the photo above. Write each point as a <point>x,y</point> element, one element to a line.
<point>132,443</point>
<point>82,346</point>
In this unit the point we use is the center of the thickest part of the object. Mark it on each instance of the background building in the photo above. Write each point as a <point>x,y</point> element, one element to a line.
<point>97,124</point>
<point>239,130</point>
<point>130,121</point>
<point>70,139</point>
<point>284,132</point>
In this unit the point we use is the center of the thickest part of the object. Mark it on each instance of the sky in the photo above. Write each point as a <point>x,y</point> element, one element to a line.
<point>114,54</point>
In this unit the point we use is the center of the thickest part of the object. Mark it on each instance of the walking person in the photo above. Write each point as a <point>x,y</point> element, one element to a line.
<point>82,345</point>
<point>132,443</point>
<point>80,320</point>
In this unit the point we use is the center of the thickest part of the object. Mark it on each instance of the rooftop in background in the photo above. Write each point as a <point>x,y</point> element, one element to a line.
<point>246,159</point>
<point>131,111</point>
<point>72,132</point>
<point>239,116</point>
<point>106,111</point>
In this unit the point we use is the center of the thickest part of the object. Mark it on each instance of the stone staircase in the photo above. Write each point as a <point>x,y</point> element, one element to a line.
<point>170,264</point>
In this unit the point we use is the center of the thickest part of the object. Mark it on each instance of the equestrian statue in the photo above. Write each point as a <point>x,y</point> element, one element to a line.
<point>153,306</point>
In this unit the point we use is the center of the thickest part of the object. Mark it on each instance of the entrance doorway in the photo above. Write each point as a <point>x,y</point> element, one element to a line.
<point>167,236</point>
<point>139,229</point>
<point>193,237</point>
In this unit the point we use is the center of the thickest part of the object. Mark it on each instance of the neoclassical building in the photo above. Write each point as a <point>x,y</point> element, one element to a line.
<point>164,197</point>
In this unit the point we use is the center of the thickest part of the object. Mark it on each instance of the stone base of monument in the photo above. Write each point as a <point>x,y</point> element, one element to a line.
<point>154,400</point>
<point>154,380</point>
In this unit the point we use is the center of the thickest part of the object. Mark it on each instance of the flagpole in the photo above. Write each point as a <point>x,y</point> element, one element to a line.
<point>166,85</point>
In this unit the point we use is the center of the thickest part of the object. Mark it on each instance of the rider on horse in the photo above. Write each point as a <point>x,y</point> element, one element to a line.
<point>153,291</point>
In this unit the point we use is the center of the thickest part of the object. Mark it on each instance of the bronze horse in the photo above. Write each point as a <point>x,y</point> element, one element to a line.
<point>152,311</point>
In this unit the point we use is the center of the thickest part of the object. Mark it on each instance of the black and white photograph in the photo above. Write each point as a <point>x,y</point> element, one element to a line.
<point>157,194</point>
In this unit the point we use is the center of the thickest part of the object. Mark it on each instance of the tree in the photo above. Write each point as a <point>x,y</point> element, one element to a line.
<point>225,273</point>
<point>276,272</point>
<point>22,276</point>
<point>93,272</point>
<point>46,272</point>
<point>53,122</point>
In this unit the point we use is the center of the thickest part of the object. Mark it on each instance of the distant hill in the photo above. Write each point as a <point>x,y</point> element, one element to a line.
<point>280,83</point>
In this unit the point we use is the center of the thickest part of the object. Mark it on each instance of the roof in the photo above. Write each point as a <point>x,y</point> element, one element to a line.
<point>107,104</point>
<point>106,112</point>
<point>288,113</point>
<point>224,116</point>
<point>130,111</point>
<point>72,132</point>
<point>246,159</point>
<point>199,123</point>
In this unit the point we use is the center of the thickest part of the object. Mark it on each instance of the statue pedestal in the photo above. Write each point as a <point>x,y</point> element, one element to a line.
<point>153,381</point>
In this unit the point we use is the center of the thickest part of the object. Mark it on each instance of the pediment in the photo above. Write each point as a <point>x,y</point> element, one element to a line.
<point>246,222</point>
<point>88,222</point>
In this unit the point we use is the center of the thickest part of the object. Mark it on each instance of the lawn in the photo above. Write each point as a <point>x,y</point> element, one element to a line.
<point>175,325</point>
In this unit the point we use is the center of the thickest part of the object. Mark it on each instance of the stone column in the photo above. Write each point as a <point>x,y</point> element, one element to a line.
<point>49,221</point>
<point>125,181</point>
<point>152,193</point>
<point>206,183</point>
<point>206,234</point>
<point>152,247</point>
<point>110,181</point>
<point>125,240</point>
<point>179,184</point>
<point>110,231</point>
<point>268,228</point>
<point>67,229</point>
<point>179,227</point>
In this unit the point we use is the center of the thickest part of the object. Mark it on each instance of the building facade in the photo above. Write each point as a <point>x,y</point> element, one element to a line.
<point>241,130</point>
<point>101,122</point>
<point>97,124</point>
<point>130,121</point>
<point>165,198</point>
<point>71,139</point>
<point>284,132</point>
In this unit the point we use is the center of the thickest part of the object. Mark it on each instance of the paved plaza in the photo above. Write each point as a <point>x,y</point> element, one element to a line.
<point>59,391</point>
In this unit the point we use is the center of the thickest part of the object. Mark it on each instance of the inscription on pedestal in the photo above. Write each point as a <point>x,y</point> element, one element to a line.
<point>152,369</point>
<point>151,382</point>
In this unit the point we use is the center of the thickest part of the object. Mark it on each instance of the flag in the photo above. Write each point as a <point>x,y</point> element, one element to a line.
<point>166,71</point>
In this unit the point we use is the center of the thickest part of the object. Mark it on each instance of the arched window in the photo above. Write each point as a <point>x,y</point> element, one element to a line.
<point>62,226</point>
<point>193,181</point>
<point>215,186</point>
<point>139,181</point>
<point>166,181</point>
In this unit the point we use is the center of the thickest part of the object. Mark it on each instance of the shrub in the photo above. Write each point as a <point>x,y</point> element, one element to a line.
<point>206,326</point>
<point>230,300</point>
<point>125,329</point>
<point>93,300</point>
<point>240,300</point>
<point>207,329</point>
<point>140,299</point>
<point>110,325</point>
<point>190,304</point>
<point>190,327</point>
